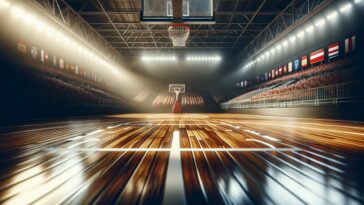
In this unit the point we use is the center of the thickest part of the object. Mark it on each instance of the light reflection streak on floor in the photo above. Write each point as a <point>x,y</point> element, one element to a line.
<point>327,168</point>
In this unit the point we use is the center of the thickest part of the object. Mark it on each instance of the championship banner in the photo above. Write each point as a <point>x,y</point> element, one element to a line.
<point>21,47</point>
<point>273,73</point>
<point>304,62</point>
<point>285,69</point>
<point>333,50</point>
<point>46,56</point>
<point>290,67</point>
<point>61,63</point>
<point>350,44</point>
<point>54,61</point>
<point>317,56</point>
<point>296,64</point>
<point>42,55</point>
<point>280,71</point>
<point>34,52</point>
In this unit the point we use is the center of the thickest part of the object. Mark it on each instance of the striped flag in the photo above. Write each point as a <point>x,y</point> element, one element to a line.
<point>290,67</point>
<point>297,64</point>
<point>350,44</point>
<point>21,46</point>
<point>61,63</point>
<point>42,55</point>
<point>285,69</point>
<point>317,56</point>
<point>334,50</point>
<point>304,61</point>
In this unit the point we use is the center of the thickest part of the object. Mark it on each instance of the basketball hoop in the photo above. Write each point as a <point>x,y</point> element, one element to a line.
<point>178,33</point>
<point>177,89</point>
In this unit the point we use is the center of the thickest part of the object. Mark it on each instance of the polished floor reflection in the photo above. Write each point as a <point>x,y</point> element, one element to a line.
<point>183,159</point>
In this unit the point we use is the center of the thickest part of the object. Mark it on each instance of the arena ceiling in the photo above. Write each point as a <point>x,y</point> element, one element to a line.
<point>242,28</point>
<point>238,23</point>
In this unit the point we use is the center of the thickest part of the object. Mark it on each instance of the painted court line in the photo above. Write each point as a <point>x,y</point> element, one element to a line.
<point>174,190</point>
<point>174,149</point>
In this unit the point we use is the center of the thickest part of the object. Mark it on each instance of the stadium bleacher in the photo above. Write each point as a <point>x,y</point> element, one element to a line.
<point>321,75</point>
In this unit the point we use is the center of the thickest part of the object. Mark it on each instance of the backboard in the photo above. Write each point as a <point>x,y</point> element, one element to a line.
<point>193,11</point>
<point>176,88</point>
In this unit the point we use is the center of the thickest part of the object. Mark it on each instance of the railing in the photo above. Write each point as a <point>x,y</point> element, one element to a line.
<point>326,95</point>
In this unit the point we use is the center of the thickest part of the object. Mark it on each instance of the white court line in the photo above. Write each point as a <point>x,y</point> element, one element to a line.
<point>236,127</point>
<point>261,142</point>
<point>264,136</point>
<point>174,191</point>
<point>149,124</point>
<point>95,132</point>
<point>175,149</point>
<point>89,140</point>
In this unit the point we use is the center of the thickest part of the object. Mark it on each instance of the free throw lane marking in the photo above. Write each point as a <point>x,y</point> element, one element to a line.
<point>174,191</point>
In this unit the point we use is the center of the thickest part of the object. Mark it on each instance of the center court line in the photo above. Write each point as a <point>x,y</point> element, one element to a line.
<point>174,149</point>
<point>174,191</point>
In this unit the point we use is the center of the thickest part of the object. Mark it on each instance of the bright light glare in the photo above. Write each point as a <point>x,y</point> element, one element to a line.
<point>357,1</point>
<point>158,58</point>
<point>320,22</point>
<point>292,39</point>
<point>301,34</point>
<point>41,25</point>
<point>30,19</point>
<point>50,31</point>
<point>4,3</point>
<point>333,15</point>
<point>309,29</point>
<point>17,12</point>
<point>278,47</point>
<point>346,7</point>
<point>285,43</point>
<point>203,58</point>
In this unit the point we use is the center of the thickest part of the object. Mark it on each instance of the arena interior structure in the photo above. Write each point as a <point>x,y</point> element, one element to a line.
<point>181,102</point>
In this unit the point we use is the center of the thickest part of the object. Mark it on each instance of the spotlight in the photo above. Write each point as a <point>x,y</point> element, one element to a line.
<point>292,39</point>
<point>320,22</point>
<point>331,16</point>
<point>346,8</point>
<point>357,1</point>
<point>301,34</point>
<point>309,29</point>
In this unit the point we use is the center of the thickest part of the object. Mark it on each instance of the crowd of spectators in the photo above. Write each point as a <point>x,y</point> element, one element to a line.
<point>187,99</point>
<point>317,76</point>
<point>164,99</point>
<point>192,99</point>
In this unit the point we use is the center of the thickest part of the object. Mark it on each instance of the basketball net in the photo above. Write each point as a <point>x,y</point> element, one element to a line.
<point>179,33</point>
